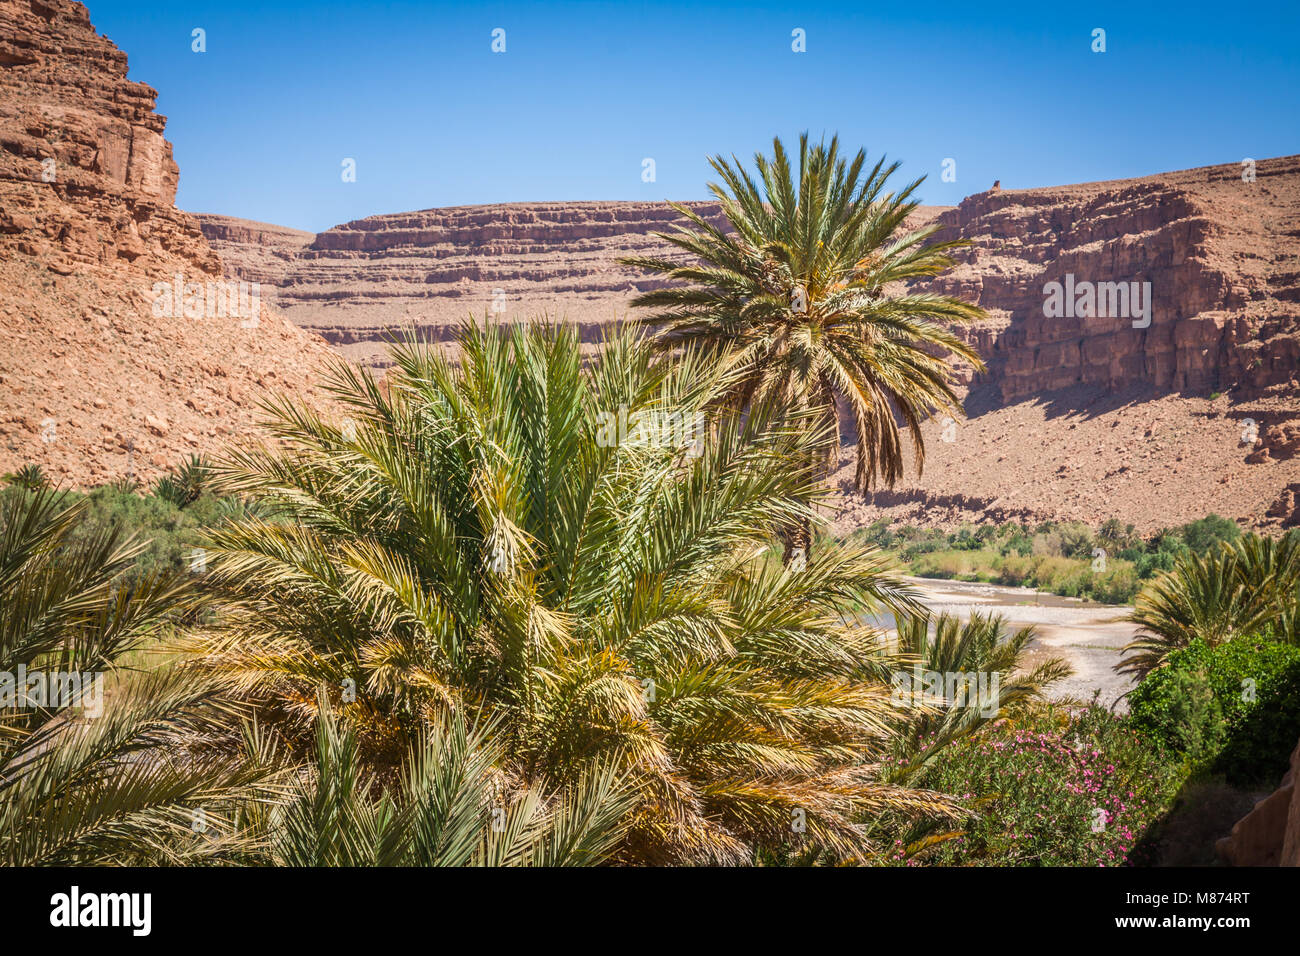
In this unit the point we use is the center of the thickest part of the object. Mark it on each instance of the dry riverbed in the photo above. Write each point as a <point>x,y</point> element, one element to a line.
<point>1088,635</point>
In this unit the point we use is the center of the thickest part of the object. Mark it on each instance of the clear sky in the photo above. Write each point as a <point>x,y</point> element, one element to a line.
<point>584,92</point>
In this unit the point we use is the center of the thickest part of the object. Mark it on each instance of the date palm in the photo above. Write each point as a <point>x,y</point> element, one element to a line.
<point>108,773</point>
<point>478,538</point>
<point>449,808</point>
<point>811,294</point>
<point>1248,586</point>
<point>979,648</point>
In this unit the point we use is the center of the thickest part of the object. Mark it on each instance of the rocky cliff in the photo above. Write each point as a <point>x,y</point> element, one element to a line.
<point>1218,256</point>
<point>431,269</point>
<point>124,346</point>
<point>1154,415</point>
<point>1212,259</point>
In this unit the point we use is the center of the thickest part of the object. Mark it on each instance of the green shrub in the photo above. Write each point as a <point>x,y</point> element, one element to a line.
<point>958,564</point>
<point>1118,584</point>
<point>1232,710</point>
<point>1077,541</point>
<point>30,477</point>
<point>878,534</point>
<point>169,532</point>
<point>1054,790</point>
<point>1015,570</point>
<point>1156,562</point>
<point>1209,532</point>
<point>1061,553</point>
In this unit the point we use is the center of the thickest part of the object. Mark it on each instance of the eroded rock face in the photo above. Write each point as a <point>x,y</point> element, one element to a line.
<point>82,153</point>
<point>1270,834</point>
<point>1220,255</point>
<point>1080,417</point>
<point>96,380</point>
<point>1286,507</point>
<point>1278,443</point>
<point>434,268</point>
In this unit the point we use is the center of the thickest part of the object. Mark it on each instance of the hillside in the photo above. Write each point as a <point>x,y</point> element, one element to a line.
<point>1180,396</point>
<point>100,376</point>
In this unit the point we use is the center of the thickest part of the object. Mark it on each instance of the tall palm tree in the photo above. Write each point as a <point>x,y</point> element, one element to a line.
<point>808,294</point>
<point>1243,587</point>
<point>538,544</point>
<point>107,766</point>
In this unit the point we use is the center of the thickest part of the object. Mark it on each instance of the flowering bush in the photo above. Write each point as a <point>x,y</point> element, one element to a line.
<point>1056,789</point>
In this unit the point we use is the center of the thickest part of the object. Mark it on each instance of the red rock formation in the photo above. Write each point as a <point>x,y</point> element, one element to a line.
<point>1270,834</point>
<point>255,251</point>
<point>1221,256</point>
<point>89,179</point>
<point>1278,443</point>
<point>1079,418</point>
<point>95,379</point>
<point>431,269</point>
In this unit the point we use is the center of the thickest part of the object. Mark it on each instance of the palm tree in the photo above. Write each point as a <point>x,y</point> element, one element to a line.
<point>995,683</point>
<point>30,476</point>
<point>808,296</point>
<point>1247,586</point>
<point>979,648</point>
<point>99,765</point>
<point>555,550</point>
<point>186,485</point>
<point>451,808</point>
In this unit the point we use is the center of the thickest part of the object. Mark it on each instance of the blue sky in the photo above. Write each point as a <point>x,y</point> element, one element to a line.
<point>286,91</point>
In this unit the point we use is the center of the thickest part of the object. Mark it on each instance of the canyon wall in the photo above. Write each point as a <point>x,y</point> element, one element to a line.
<point>1221,255</point>
<point>88,177</point>
<point>432,269</point>
<point>1080,415</point>
<point>96,380</point>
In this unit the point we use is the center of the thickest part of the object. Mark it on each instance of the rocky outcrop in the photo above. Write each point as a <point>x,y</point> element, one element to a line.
<point>1080,417</point>
<point>1286,507</point>
<point>88,177</point>
<point>1270,834</point>
<point>100,375</point>
<point>1278,443</point>
<point>255,251</point>
<point>429,270</point>
<point>1220,256</point>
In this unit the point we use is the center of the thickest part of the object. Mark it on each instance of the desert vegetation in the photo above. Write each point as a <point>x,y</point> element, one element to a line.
<point>1109,564</point>
<point>808,300</point>
<point>542,607</point>
<point>428,632</point>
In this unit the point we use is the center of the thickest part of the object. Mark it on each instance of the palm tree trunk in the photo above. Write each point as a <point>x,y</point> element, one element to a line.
<point>796,539</point>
